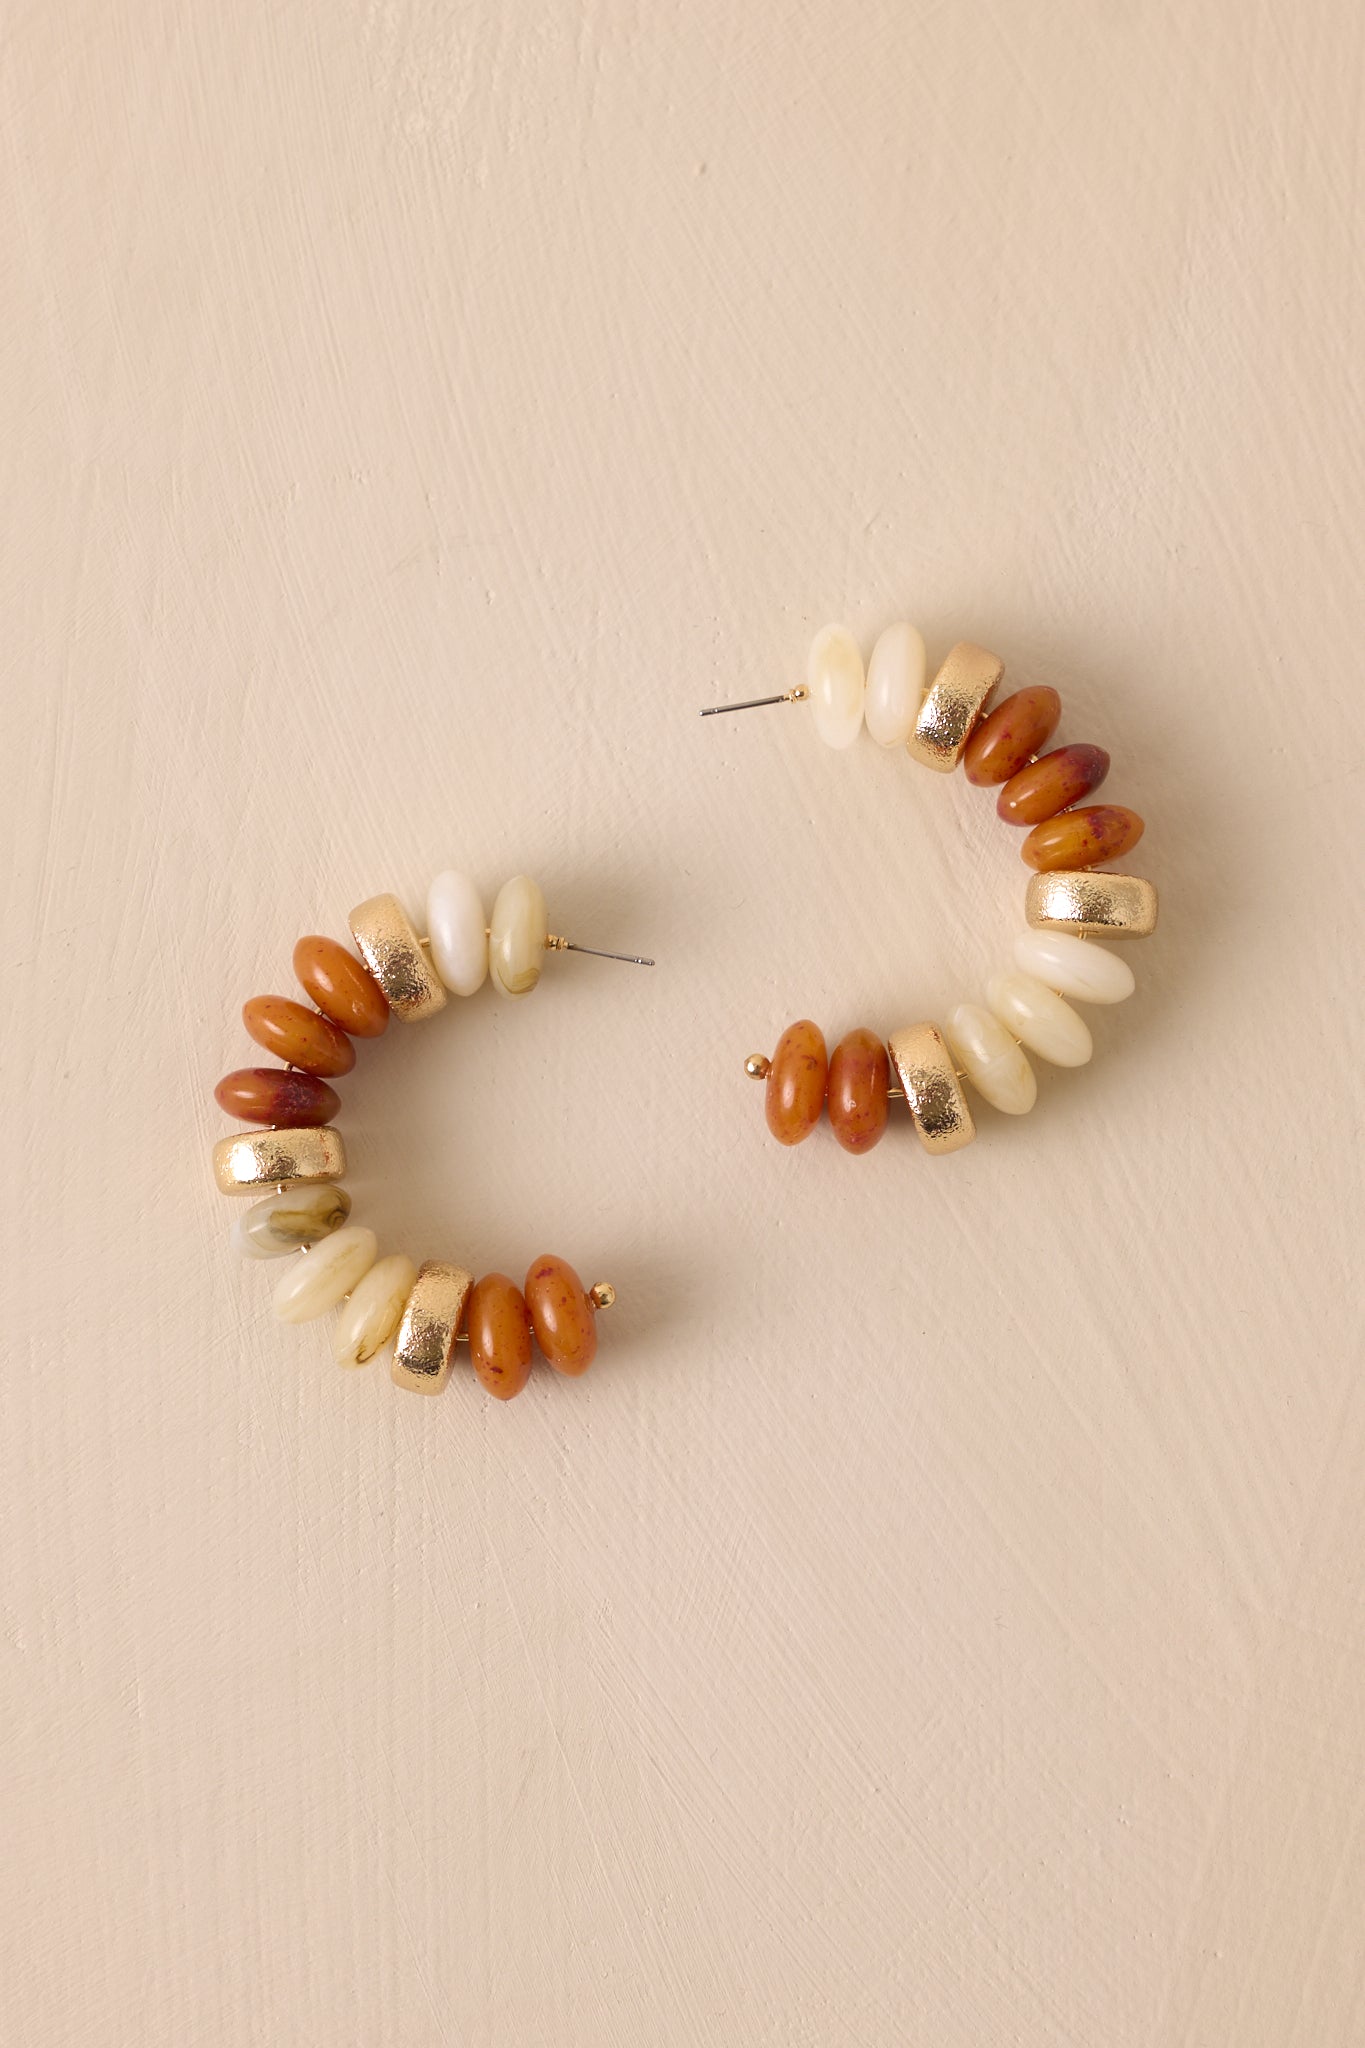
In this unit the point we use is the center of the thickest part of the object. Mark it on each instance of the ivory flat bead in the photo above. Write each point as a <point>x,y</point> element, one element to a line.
<point>283,1222</point>
<point>1074,967</point>
<point>895,684</point>
<point>1047,1025</point>
<point>992,1062</point>
<point>834,677</point>
<point>374,1311</point>
<point>458,932</point>
<point>516,944</point>
<point>317,1280</point>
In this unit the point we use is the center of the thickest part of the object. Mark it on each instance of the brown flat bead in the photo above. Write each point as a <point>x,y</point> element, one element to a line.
<point>341,987</point>
<point>499,1335</point>
<point>859,1076</point>
<point>1082,839</point>
<point>272,1095</point>
<point>297,1036</point>
<point>796,1083</point>
<point>1060,778</point>
<point>563,1318</point>
<point>1015,731</point>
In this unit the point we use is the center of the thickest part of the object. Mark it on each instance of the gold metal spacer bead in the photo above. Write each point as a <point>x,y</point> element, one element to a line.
<point>758,1066</point>
<point>602,1295</point>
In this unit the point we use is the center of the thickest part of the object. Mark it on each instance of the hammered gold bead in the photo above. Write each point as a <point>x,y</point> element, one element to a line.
<point>925,1071</point>
<point>952,704</point>
<point>392,951</point>
<point>1087,901</point>
<point>431,1321</point>
<point>244,1164</point>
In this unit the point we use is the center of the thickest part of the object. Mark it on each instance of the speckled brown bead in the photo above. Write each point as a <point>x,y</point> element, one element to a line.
<point>342,989</point>
<point>1083,838</point>
<point>499,1330</point>
<point>1049,785</point>
<point>271,1095</point>
<point>297,1036</point>
<point>562,1316</point>
<point>796,1082</point>
<point>1015,731</point>
<point>859,1076</point>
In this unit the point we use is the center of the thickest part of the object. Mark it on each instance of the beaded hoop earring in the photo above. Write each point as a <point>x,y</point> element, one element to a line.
<point>1066,901</point>
<point>300,1156</point>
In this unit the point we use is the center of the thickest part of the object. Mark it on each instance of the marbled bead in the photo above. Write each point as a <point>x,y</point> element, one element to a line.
<point>297,1036</point>
<point>1049,784</point>
<point>517,933</point>
<point>562,1316</point>
<point>1014,732</point>
<point>1083,838</point>
<point>342,989</point>
<point>317,1280</point>
<point>859,1076</point>
<point>1038,1015</point>
<point>795,1092</point>
<point>992,1062</point>
<point>372,1315</point>
<point>272,1095</point>
<point>285,1221</point>
<point>499,1327</point>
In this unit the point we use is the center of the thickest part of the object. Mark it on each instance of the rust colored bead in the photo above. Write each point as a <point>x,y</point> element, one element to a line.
<point>1060,778</point>
<point>796,1083</point>
<point>1082,839</point>
<point>562,1316</point>
<point>859,1076</point>
<point>297,1036</point>
<point>271,1095</point>
<point>342,989</point>
<point>1015,731</point>
<point>499,1331</point>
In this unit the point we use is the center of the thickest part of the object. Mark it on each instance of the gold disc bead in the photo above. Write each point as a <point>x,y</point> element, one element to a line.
<point>253,1160</point>
<point>1085,901</point>
<point>392,951</point>
<point>952,704</point>
<point>431,1322</point>
<point>924,1068</point>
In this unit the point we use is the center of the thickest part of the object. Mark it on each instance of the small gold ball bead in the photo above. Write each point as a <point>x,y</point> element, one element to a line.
<point>757,1066</point>
<point>603,1295</point>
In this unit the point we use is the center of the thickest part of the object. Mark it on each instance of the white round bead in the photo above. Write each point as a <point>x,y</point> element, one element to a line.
<point>516,945</point>
<point>458,932</point>
<point>374,1311</point>
<point>1074,967</point>
<point>834,677</point>
<point>895,684</point>
<point>991,1060</point>
<point>319,1278</point>
<point>1047,1025</point>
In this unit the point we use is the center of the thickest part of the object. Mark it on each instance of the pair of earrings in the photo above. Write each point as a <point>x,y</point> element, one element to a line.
<point>295,1163</point>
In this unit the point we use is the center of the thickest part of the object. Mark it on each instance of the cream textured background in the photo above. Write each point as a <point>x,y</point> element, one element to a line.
<point>940,1617</point>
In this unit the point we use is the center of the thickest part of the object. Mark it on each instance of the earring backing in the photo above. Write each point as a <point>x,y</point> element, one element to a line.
<point>421,1313</point>
<point>941,724</point>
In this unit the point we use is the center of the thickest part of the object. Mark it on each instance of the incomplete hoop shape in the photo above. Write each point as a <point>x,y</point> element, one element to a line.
<point>390,1302</point>
<point>1026,1006</point>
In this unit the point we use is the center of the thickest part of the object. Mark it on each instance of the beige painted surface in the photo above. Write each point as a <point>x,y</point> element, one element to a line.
<point>940,1616</point>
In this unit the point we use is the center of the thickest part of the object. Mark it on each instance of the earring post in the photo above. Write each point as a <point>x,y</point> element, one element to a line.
<point>570,946</point>
<point>796,696</point>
